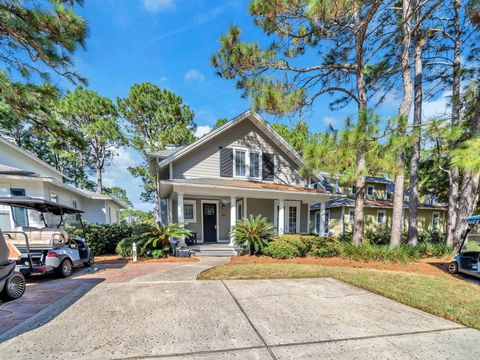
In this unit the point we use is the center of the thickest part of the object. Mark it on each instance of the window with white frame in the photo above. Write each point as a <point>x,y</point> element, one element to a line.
<point>190,211</point>
<point>292,219</point>
<point>255,164</point>
<point>381,217</point>
<point>370,190</point>
<point>435,221</point>
<point>247,163</point>
<point>74,204</point>
<point>351,216</point>
<point>240,163</point>
<point>54,197</point>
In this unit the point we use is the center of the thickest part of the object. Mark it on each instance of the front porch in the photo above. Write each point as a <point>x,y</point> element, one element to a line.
<point>210,211</point>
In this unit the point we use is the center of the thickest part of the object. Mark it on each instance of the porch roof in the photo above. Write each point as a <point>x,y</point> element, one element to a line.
<point>223,187</point>
<point>373,203</point>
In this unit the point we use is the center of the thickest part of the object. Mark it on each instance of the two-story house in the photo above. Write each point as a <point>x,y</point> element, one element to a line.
<point>240,169</point>
<point>24,174</point>
<point>338,214</point>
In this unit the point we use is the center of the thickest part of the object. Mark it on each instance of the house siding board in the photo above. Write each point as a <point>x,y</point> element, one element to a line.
<point>17,159</point>
<point>263,207</point>
<point>304,218</point>
<point>164,174</point>
<point>204,161</point>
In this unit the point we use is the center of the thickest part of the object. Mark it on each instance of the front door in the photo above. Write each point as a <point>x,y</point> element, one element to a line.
<point>209,222</point>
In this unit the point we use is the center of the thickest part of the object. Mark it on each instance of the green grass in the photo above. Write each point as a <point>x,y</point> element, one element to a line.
<point>447,297</point>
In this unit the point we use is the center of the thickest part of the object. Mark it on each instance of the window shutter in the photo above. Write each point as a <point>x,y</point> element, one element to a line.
<point>268,166</point>
<point>226,162</point>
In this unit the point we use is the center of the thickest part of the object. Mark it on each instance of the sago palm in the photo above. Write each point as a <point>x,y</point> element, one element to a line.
<point>161,233</point>
<point>253,234</point>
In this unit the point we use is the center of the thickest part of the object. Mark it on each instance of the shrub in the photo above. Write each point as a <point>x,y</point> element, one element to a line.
<point>428,249</point>
<point>299,245</point>
<point>161,253</point>
<point>382,253</point>
<point>432,237</point>
<point>381,236</point>
<point>102,239</point>
<point>253,234</point>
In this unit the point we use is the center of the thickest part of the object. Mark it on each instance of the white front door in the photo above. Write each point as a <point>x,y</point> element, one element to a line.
<point>292,216</point>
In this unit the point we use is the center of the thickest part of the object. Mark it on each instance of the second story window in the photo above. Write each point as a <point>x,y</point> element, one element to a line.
<point>370,190</point>
<point>254,164</point>
<point>247,163</point>
<point>240,163</point>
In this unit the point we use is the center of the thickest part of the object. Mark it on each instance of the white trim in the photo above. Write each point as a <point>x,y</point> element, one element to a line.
<point>218,219</point>
<point>317,222</point>
<point>384,212</point>
<point>260,156</point>
<point>287,205</point>
<point>239,203</point>
<point>322,218</point>
<point>342,223</point>
<point>170,170</point>
<point>194,203</point>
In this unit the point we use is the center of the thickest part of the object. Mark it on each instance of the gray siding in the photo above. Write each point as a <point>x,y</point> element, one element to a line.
<point>204,161</point>
<point>264,207</point>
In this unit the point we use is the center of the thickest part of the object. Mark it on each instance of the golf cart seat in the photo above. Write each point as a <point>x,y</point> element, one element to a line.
<point>37,237</point>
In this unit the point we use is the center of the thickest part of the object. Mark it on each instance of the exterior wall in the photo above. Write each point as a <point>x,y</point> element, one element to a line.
<point>95,212</point>
<point>204,162</point>
<point>17,159</point>
<point>112,211</point>
<point>64,196</point>
<point>380,191</point>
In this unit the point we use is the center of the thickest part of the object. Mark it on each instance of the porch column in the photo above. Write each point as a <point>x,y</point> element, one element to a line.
<point>342,223</point>
<point>233,218</point>
<point>322,219</point>
<point>309,206</point>
<point>281,217</point>
<point>180,218</point>
<point>245,212</point>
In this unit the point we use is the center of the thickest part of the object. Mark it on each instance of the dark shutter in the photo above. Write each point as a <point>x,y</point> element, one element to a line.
<point>226,162</point>
<point>268,166</point>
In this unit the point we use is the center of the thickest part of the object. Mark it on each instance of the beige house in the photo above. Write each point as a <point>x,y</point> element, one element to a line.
<point>338,214</point>
<point>239,169</point>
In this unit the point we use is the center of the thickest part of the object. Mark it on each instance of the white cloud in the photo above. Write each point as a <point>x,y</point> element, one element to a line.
<point>163,79</point>
<point>329,120</point>
<point>155,6</point>
<point>438,107</point>
<point>202,130</point>
<point>194,75</point>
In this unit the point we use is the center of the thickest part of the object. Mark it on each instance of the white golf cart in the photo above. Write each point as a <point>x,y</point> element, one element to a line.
<point>49,248</point>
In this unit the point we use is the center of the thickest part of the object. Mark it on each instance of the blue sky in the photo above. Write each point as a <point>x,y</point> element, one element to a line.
<point>170,43</point>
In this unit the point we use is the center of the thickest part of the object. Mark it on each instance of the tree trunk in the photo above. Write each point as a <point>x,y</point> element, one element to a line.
<point>470,186</point>
<point>362,125</point>
<point>397,220</point>
<point>99,178</point>
<point>417,121</point>
<point>454,177</point>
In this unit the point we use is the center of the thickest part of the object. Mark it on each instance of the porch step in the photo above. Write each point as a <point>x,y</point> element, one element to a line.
<point>213,250</point>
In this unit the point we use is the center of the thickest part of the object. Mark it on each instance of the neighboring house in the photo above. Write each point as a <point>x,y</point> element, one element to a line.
<point>239,169</point>
<point>23,174</point>
<point>338,215</point>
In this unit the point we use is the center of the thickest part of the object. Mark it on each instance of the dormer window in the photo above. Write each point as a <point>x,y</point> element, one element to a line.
<point>370,190</point>
<point>255,164</point>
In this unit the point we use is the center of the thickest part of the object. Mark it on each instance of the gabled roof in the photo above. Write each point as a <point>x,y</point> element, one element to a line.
<point>31,156</point>
<point>249,114</point>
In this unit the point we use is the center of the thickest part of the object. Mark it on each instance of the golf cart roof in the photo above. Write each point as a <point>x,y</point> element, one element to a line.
<point>41,205</point>
<point>472,220</point>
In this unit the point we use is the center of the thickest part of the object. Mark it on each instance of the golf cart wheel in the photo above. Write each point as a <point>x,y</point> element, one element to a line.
<point>453,267</point>
<point>14,287</point>
<point>89,262</point>
<point>65,269</point>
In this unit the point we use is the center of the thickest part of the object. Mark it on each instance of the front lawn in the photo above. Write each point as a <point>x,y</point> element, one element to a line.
<point>444,296</point>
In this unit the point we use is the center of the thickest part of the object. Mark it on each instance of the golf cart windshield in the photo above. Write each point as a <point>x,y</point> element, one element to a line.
<point>472,240</point>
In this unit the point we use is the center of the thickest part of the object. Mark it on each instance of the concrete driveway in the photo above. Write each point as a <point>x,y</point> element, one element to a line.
<point>167,314</point>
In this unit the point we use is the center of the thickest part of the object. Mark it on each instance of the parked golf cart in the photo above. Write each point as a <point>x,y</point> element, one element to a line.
<point>47,249</point>
<point>12,283</point>
<point>467,260</point>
